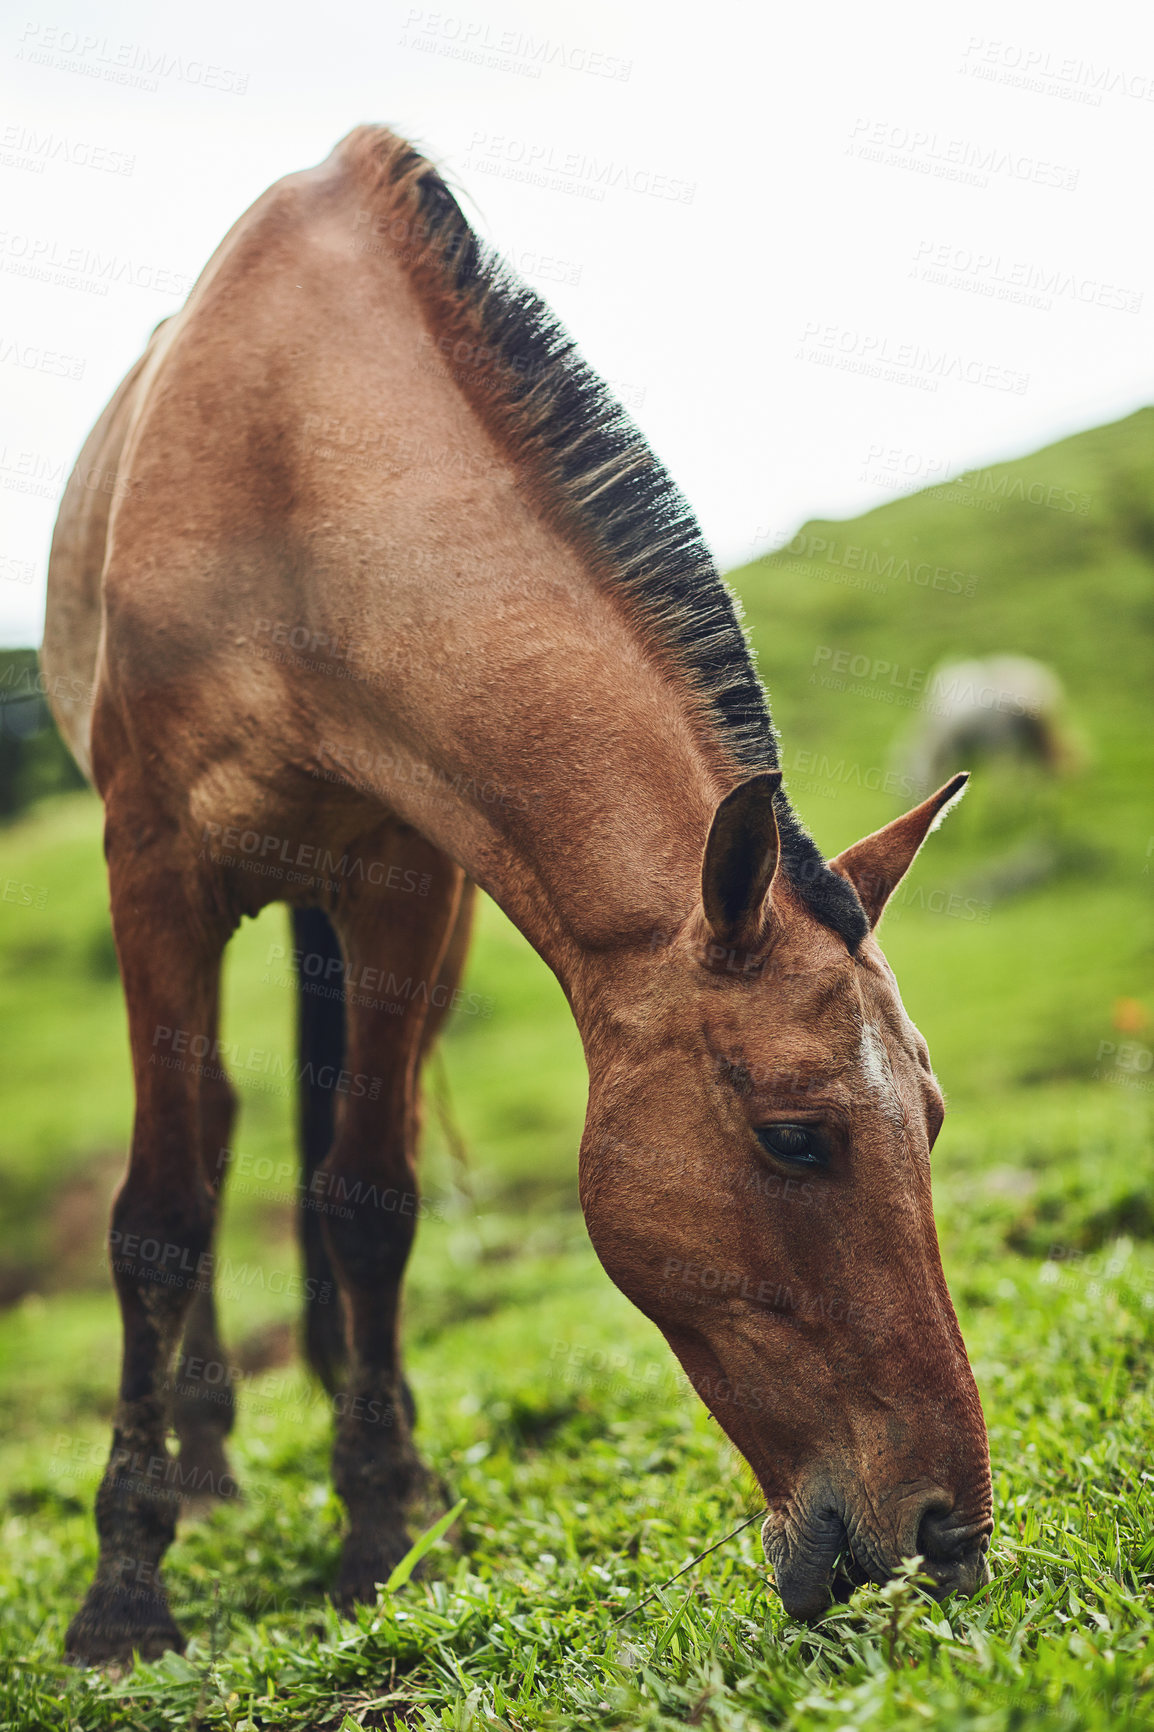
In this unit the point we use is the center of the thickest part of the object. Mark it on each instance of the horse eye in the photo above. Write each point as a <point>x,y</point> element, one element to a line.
<point>800,1145</point>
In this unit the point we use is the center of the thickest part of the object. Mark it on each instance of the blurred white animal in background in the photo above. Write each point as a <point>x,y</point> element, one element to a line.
<point>999,706</point>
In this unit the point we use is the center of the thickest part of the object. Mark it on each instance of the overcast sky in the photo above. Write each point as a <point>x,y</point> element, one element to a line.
<point>823,253</point>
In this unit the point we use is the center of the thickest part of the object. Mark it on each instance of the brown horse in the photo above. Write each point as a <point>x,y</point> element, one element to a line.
<point>389,597</point>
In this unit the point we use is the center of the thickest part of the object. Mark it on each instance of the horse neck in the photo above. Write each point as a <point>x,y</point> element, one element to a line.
<point>569,774</point>
<point>538,741</point>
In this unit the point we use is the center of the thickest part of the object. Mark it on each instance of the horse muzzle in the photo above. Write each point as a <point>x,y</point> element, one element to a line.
<point>819,1553</point>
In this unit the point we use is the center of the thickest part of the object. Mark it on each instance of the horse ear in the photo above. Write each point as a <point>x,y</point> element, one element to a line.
<point>876,866</point>
<point>741,859</point>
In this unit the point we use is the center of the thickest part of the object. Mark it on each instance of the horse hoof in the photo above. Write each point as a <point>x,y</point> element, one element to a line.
<point>204,1493</point>
<point>117,1628</point>
<point>364,1566</point>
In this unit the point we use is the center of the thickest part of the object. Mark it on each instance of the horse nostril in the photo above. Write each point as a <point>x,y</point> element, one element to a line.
<point>945,1540</point>
<point>937,1541</point>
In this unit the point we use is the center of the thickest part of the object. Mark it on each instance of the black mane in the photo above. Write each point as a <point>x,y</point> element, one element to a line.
<point>611,494</point>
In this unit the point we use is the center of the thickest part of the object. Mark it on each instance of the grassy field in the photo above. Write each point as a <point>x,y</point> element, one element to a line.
<point>591,1474</point>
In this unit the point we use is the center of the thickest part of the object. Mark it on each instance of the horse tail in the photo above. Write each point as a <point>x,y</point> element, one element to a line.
<point>320,1044</point>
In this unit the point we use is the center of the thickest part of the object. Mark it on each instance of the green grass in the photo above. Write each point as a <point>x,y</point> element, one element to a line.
<point>591,1474</point>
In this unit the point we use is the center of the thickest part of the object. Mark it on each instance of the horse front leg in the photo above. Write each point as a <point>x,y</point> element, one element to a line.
<point>398,944</point>
<point>169,946</point>
<point>203,1401</point>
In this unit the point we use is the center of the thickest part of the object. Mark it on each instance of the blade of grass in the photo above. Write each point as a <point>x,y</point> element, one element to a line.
<point>668,1633</point>
<point>426,1543</point>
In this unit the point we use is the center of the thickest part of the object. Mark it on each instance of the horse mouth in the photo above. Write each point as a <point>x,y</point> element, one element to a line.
<point>848,1576</point>
<point>810,1567</point>
<point>824,1570</point>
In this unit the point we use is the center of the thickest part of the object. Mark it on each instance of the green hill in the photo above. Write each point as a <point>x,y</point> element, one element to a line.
<point>1050,556</point>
